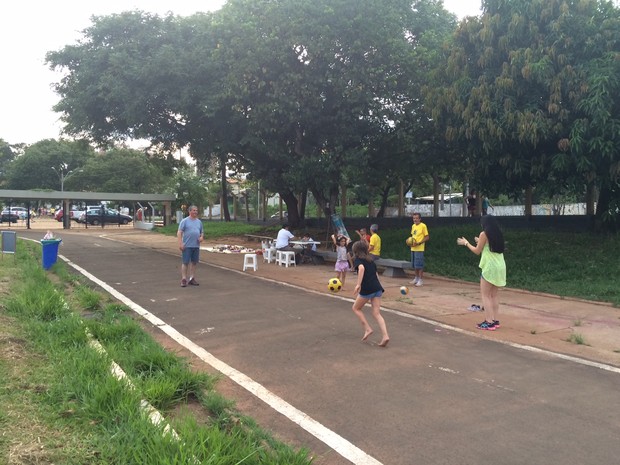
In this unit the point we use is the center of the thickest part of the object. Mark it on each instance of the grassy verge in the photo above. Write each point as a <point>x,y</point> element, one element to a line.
<point>60,402</point>
<point>570,265</point>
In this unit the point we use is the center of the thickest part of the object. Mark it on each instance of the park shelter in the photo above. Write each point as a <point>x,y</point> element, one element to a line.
<point>66,198</point>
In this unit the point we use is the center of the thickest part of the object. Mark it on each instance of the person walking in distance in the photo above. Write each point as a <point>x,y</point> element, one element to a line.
<point>490,245</point>
<point>419,237</point>
<point>471,203</point>
<point>485,205</point>
<point>368,289</point>
<point>190,234</point>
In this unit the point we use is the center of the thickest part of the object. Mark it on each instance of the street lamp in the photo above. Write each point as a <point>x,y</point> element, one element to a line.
<point>63,174</point>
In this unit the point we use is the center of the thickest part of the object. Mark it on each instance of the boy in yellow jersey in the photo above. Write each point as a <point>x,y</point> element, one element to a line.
<point>419,235</point>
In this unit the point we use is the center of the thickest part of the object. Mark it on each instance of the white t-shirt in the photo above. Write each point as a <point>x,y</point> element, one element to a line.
<point>284,235</point>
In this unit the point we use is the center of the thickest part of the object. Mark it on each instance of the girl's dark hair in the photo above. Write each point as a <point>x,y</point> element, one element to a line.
<point>360,250</point>
<point>494,234</point>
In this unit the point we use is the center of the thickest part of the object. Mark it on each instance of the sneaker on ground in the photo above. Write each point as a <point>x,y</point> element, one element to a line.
<point>496,323</point>
<point>184,282</point>
<point>193,282</point>
<point>414,280</point>
<point>486,325</point>
<point>418,283</point>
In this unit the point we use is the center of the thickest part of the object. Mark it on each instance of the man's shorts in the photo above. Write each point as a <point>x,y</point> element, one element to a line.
<point>417,260</point>
<point>190,254</point>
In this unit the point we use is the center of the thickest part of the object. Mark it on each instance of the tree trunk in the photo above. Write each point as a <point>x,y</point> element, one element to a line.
<point>529,194</point>
<point>401,198</point>
<point>385,193</point>
<point>435,196</point>
<point>303,200</point>
<point>224,200</point>
<point>590,198</point>
<point>291,207</point>
<point>343,200</point>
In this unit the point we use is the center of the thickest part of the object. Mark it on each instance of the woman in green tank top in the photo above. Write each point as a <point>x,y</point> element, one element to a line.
<point>490,245</point>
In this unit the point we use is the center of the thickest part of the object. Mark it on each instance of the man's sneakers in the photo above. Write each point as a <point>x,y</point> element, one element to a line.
<point>487,326</point>
<point>416,282</point>
<point>191,282</point>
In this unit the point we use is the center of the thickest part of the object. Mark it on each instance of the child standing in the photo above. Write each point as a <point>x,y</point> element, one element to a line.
<point>368,288</point>
<point>342,261</point>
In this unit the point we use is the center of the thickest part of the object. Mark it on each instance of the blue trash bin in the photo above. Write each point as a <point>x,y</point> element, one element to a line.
<point>50,252</point>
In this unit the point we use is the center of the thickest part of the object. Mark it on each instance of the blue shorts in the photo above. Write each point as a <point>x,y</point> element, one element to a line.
<point>370,296</point>
<point>190,254</point>
<point>417,260</point>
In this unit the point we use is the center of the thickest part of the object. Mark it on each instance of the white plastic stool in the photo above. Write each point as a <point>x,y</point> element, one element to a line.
<point>286,258</point>
<point>250,261</point>
<point>269,255</point>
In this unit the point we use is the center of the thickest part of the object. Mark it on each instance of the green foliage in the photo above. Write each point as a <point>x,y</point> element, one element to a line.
<point>88,298</point>
<point>536,105</point>
<point>190,189</point>
<point>41,163</point>
<point>213,229</point>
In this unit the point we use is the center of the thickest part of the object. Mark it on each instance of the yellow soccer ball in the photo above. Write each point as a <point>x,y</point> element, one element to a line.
<point>334,285</point>
<point>404,290</point>
<point>409,241</point>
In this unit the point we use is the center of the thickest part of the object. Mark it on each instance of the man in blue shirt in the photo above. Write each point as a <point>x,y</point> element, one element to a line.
<point>190,235</point>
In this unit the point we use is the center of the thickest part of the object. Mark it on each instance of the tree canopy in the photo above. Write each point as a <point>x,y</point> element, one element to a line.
<point>290,92</point>
<point>527,84</point>
<point>324,95</point>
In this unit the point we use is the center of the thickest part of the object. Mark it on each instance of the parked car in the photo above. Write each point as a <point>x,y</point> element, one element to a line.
<point>73,214</point>
<point>8,216</point>
<point>79,214</point>
<point>96,216</point>
<point>21,212</point>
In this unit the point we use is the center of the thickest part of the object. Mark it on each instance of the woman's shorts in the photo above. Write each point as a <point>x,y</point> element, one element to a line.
<point>373,295</point>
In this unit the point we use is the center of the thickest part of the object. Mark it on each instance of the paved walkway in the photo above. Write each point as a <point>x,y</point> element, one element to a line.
<point>538,320</point>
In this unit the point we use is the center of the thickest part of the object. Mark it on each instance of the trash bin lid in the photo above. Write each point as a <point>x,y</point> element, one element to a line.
<point>50,241</point>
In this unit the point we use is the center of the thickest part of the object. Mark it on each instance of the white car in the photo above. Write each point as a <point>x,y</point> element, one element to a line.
<point>21,212</point>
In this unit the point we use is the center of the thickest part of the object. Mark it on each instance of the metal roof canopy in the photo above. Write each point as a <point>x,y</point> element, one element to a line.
<point>69,195</point>
<point>66,197</point>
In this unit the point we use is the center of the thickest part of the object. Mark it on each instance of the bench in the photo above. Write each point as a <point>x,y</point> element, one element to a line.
<point>393,268</point>
<point>257,238</point>
<point>325,255</point>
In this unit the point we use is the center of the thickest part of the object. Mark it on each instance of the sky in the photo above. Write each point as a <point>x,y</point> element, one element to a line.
<point>30,29</point>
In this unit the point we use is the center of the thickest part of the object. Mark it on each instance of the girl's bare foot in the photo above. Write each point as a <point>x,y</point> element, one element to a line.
<point>367,333</point>
<point>384,342</point>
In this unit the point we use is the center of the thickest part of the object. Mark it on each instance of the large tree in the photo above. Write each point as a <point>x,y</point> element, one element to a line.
<point>290,92</point>
<point>519,76</point>
<point>46,164</point>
